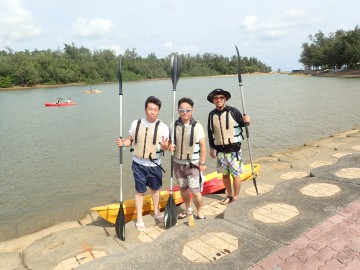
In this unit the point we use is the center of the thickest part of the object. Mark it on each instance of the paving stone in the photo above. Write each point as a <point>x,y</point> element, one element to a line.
<point>193,255</point>
<point>293,175</point>
<point>286,252</point>
<point>98,253</point>
<point>346,255</point>
<point>338,244</point>
<point>318,243</point>
<point>305,253</point>
<point>325,254</point>
<point>271,262</point>
<point>69,263</point>
<point>326,226</point>
<point>312,263</point>
<point>332,264</point>
<point>300,243</point>
<point>84,257</point>
<point>353,265</point>
<point>350,234</point>
<point>354,245</point>
<point>320,190</point>
<point>290,263</point>
<point>313,233</point>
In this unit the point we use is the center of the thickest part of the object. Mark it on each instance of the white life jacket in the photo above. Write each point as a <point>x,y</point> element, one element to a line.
<point>186,141</point>
<point>225,129</point>
<point>147,140</point>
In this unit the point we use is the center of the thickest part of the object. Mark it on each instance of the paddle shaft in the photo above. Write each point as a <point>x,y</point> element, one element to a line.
<point>120,219</point>
<point>120,124</point>
<point>246,125</point>
<point>175,74</point>
<point>170,209</point>
<point>172,141</point>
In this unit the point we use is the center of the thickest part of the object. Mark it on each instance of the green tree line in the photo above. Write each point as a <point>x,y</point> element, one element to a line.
<point>78,65</point>
<point>337,50</point>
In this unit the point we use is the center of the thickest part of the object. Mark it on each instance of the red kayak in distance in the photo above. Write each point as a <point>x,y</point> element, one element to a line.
<point>60,104</point>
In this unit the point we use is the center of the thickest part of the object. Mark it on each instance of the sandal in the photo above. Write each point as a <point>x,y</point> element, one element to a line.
<point>227,200</point>
<point>140,226</point>
<point>182,215</point>
<point>197,217</point>
<point>159,217</point>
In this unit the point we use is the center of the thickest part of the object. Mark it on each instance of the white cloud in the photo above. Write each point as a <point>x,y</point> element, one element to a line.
<point>94,28</point>
<point>16,23</point>
<point>168,47</point>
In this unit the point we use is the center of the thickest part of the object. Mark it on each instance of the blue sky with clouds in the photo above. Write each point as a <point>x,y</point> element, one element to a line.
<point>271,31</point>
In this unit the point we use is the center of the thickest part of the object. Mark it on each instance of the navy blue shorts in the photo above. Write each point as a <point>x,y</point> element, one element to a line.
<point>146,176</point>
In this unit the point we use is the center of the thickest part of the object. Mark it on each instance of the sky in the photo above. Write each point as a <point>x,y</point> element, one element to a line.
<point>271,31</point>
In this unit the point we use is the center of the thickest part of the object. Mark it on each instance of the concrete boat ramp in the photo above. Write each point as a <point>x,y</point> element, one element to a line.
<point>307,216</point>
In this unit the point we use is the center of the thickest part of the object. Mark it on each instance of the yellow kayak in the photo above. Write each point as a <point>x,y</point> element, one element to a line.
<point>93,91</point>
<point>212,183</point>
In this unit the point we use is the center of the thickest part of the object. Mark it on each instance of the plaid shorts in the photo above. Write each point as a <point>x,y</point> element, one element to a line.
<point>230,163</point>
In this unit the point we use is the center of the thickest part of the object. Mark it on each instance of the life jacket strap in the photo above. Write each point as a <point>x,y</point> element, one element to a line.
<point>153,161</point>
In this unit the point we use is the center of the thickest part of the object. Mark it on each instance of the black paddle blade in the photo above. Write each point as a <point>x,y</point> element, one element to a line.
<point>120,223</point>
<point>170,213</point>
<point>175,69</point>
<point>119,73</point>
<point>255,185</point>
<point>239,70</point>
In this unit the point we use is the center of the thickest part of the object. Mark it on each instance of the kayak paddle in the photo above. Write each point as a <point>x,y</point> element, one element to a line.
<point>246,125</point>
<point>170,209</point>
<point>120,219</point>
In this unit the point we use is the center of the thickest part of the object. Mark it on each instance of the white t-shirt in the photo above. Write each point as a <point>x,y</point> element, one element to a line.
<point>162,129</point>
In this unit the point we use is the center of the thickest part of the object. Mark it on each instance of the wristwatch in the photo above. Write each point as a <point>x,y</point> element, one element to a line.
<point>203,164</point>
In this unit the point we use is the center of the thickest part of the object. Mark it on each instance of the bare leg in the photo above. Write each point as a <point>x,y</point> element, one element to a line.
<point>185,195</point>
<point>198,201</point>
<point>227,184</point>
<point>155,195</point>
<point>139,199</point>
<point>237,186</point>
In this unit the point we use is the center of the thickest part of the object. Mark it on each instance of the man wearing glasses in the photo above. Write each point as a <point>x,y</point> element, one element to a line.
<point>189,149</point>
<point>225,135</point>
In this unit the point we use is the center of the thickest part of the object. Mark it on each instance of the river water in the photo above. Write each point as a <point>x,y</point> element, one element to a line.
<point>58,162</point>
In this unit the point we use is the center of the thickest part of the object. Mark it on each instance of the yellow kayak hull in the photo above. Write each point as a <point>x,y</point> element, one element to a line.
<point>212,184</point>
<point>93,92</point>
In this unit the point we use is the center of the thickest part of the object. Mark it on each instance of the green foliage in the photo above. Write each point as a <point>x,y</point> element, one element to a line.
<point>5,82</point>
<point>338,49</point>
<point>74,65</point>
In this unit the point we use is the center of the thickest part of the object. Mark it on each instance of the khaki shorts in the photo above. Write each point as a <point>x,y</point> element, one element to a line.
<point>189,178</point>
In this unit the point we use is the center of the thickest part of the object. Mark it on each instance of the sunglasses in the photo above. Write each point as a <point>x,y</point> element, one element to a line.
<point>185,110</point>
<point>220,97</point>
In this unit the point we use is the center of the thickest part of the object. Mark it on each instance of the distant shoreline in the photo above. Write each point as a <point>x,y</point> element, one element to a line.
<point>341,74</point>
<point>346,73</point>
<point>92,85</point>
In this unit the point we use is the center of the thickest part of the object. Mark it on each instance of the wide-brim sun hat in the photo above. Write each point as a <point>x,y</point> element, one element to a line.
<point>218,92</point>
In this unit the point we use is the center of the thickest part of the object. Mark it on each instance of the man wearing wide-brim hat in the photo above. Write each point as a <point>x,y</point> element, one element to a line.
<point>225,136</point>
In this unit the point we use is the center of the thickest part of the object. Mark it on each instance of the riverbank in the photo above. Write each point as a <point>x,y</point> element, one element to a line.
<point>91,85</point>
<point>306,193</point>
<point>351,73</point>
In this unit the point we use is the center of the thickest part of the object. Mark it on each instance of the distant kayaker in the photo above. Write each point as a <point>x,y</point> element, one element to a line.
<point>189,149</point>
<point>68,100</point>
<point>149,137</point>
<point>58,100</point>
<point>225,135</point>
